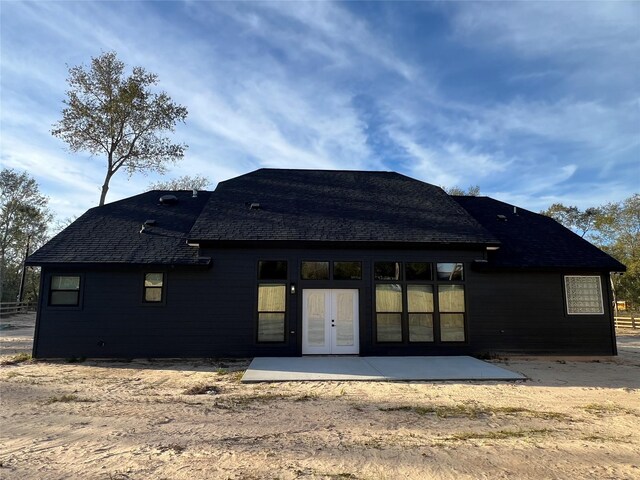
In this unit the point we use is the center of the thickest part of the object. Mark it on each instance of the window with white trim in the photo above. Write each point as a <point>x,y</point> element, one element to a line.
<point>584,295</point>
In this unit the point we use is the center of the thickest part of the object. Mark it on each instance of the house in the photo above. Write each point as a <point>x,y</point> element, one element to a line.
<point>296,262</point>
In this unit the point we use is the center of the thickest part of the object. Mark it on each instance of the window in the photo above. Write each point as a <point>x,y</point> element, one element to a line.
<point>347,270</point>
<point>451,307</point>
<point>418,307</point>
<point>272,270</point>
<point>450,272</point>
<point>387,270</point>
<point>153,285</point>
<point>389,312</point>
<point>420,311</point>
<point>418,271</point>
<point>271,312</point>
<point>65,290</point>
<point>314,271</point>
<point>584,295</point>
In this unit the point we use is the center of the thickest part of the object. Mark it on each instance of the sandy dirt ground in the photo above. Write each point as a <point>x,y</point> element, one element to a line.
<point>147,419</point>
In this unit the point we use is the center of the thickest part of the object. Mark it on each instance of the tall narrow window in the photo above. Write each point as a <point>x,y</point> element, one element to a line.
<point>271,312</point>
<point>451,306</point>
<point>65,290</point>
<point>153,285</point>
<point>389,312</point>
<point>420,311</point>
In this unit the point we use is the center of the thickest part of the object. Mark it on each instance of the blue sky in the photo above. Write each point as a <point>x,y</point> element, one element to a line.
<point>534,102</point>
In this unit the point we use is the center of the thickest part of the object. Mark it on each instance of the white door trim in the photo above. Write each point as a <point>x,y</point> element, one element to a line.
<point>326,306</point>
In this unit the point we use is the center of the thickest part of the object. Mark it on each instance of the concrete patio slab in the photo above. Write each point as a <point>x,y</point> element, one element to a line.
<point>318,368</point>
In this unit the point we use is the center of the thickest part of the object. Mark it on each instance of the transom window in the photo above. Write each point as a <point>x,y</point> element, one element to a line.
<point>272,270</point>
<point>314,271</point>
<point>412,306</point>
<point>153,286</point>
<point>65,290</point>
<point>584,295</point>
<point>341,270</point>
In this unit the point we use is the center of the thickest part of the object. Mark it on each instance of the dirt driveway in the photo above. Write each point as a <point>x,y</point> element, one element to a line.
<point>193,420</point>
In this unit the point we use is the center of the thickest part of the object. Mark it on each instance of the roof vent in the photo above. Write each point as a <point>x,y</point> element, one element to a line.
<point>254,206</point>
<point>194,193</point>
<point>168,200</point>
<point>502,218</point>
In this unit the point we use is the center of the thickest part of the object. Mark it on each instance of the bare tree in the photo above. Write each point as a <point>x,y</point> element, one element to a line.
<point>117,115</point>
<point>186,182</point>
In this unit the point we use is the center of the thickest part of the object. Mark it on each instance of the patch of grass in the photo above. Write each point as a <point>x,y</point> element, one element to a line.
<point>76,359</point>
<point>202,389</point>
<point>473,411</point>
<point>604,438</point>
<point>601,409</point>
<point>499,434</point>
<point>306,397</point>
<point>16,359</point>
<point>172,447</point>
<point>66,399</point>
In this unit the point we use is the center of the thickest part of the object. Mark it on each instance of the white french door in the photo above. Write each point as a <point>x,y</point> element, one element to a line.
<point>330,321</point>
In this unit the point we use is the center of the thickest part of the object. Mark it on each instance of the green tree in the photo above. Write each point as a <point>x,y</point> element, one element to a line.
<point>117,115</point>
<point>24,216</point>
<point>615,228</point>
<point>580,221</point>
<point>186,182</point>
<point>472,191</point>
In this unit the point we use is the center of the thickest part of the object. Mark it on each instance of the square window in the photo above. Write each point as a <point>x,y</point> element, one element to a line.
<point>388,297</point>
<point>347,270</point>
<point>418,271</point>
<point>271,327</point>
<point>387,270</point>
<point>65,290</point>
<point>450,272</point>
<point>314,271</point>
<point>421,327</point>
<point>584,295</point>
<point>451,298</point>
<point>420,298</point>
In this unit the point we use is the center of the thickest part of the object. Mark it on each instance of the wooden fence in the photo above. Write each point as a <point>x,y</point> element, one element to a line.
<point>13,308</point>
<point>632,321</point>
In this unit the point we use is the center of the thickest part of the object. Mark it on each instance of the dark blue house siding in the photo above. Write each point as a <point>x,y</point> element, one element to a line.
<point>212,312</point>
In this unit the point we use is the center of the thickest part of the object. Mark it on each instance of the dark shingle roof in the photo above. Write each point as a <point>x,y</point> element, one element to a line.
<point>339,206</point>
<point>531,240</point>
<point>110,234</point>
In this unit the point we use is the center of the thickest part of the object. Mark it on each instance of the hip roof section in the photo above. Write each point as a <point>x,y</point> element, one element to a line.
<point>334,206</point>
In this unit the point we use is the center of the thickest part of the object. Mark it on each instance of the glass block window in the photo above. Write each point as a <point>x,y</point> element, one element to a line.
<point>65,290</point>
<point>584,295</point>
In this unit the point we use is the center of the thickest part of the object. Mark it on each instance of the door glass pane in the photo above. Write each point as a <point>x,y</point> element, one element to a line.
<point>388,297</point>
<point>344,319</point>
<point>452,327</point>
<point>418,271</point>
<point>451,298</point>
<point>271,298</point>
<point>450,271</point>
<point>272,270</point>
<point>314,271</point>
<point>271,327</point>
<point>421,327</point>
<point>420,298</point>
<point>316,319</point>
<point>387,270</point>
<point>153,279</point>
<point>389,327</point>
<point>347,270</point>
